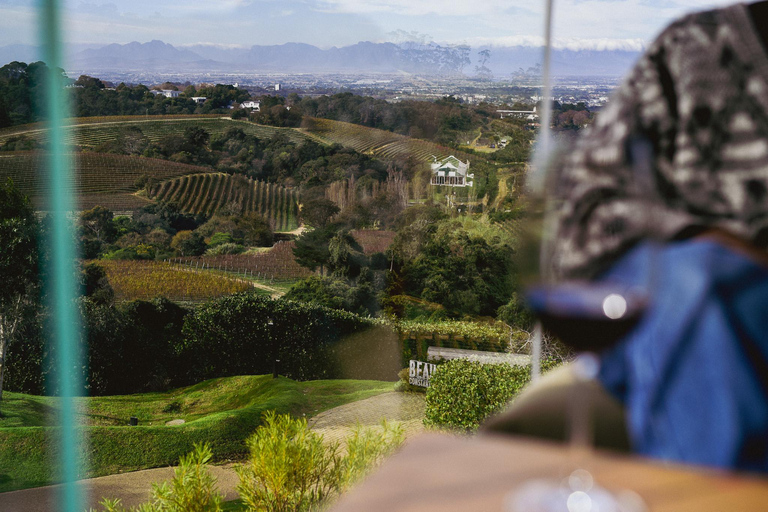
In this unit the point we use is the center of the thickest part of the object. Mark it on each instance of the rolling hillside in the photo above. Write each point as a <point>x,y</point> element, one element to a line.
<point>379,143</point>
<point>91,132</point>
<point>102,179</point>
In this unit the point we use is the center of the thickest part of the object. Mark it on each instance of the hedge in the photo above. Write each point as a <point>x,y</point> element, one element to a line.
<point>462,393</point>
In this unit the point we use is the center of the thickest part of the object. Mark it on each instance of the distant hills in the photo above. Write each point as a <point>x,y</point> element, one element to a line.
<point>363,57</point>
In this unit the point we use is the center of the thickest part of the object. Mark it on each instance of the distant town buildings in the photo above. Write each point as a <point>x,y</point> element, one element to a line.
<point>277,87</point>
<point>451,172</point>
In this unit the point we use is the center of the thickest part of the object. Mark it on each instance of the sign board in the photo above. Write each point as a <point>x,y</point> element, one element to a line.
<point>419,373</point>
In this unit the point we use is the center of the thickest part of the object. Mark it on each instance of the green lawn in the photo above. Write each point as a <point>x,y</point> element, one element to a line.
<point>222,412</point>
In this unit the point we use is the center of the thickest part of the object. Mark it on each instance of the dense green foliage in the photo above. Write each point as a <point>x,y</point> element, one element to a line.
<point>467,272</point>
<point>463,393</point>
<point>155,345</point>
<point>21,92</point>
<point>91,97</point>
<point>19,271</point>
<point>232,336</point>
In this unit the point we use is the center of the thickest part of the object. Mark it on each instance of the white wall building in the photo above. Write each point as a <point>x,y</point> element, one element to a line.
<point>451,172</point>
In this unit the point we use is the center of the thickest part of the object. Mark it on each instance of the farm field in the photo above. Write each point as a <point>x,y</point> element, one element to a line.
<point>206,193</point>
<point>221,411</point>
<point>145,280</point>
<point>91,132</point>
<point>101,179</point>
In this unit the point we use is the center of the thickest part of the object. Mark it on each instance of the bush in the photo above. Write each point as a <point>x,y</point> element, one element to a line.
<point>463,393</point>
<point>192,489</point>
<point>290,469</point>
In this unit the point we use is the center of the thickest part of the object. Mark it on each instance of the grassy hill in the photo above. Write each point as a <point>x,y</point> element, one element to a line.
<point>379,143</point>
<point>207,193</point>
<point>221,411</point>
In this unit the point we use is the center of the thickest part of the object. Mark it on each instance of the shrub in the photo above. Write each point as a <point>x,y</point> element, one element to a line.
<point>463,393</point>
<point>290,469</point>
<point>192,489</point>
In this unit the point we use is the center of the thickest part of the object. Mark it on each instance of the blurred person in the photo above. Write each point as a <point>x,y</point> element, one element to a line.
<point>692,374</point>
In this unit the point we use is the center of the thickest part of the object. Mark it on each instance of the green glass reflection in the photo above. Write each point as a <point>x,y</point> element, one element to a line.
<point>62,288</point>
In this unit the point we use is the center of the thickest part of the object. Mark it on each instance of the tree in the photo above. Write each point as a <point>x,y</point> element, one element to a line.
<point>188,243</point>
<point>18,265</point>
<point>98,222</point>
<point>318,212</point>
<point>311,250</point>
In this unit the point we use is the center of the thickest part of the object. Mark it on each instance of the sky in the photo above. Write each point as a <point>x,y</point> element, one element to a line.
<point>594,24</point>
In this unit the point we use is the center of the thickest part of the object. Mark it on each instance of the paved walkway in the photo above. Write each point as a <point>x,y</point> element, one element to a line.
<point>135,487</point>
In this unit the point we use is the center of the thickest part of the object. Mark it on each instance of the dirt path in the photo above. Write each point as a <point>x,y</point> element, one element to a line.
<point>404,408</point>
<point>135,487</point>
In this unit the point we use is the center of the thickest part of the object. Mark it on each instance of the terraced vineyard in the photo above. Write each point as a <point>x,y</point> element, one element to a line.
<point>380,143</point>
<point>91,132</point>
<point>208,192</point>
<point>101,179</point>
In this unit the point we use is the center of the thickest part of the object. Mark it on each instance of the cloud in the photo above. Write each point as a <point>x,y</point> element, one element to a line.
<point>438,8</point>
<point>593,24</point>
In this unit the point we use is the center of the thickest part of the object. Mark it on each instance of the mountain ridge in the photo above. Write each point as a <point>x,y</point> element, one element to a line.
<point>362,57</point>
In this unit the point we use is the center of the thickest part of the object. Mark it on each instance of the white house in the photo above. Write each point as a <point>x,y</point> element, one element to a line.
<point>253,105</point>
<point>451,172</point>
<point>167,93</point>
<point>199,99</point>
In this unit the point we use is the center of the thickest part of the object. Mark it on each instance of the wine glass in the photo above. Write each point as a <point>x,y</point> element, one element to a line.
<point>590,316</point>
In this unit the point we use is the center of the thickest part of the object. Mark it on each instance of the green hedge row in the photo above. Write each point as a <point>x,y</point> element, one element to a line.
<point>152,346</point>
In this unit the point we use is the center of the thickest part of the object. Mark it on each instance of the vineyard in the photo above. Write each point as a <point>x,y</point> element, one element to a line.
<point>208,192</point>
<point>145,280</point>
<point>91,132</point>
<point>276,267</point>
<point>380,143</point>
<point>373,240</point>
<point>101,179</point>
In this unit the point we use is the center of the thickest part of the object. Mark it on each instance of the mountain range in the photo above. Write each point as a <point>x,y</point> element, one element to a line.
<point>363,57</point>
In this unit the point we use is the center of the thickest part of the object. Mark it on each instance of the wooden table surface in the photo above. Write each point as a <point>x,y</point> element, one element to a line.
<point>473,474</point>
